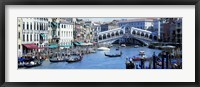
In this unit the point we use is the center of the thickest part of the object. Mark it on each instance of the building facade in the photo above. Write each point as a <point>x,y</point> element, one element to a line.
<point>34,33</point>
<point>137,23</point>
<point>179,30</point>
<point>19,37</point>
<point>171,30</point>
<point>66,33</point>
<point>62,30</point>
<point>104,27</point>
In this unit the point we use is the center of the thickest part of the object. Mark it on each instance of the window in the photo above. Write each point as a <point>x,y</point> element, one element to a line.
<point>34,26</point>
<point>23,37</point>
<point>43,28</point>
<point>179,24</point>
<point>38,37</point>
<point>31,37</point>
<point>27,38</point>
<point>23,25</point>
<point>19,35</point>
<point>31,26</point>
<point>64,26</point>
<point>34,37</point>
<point>49,24</point>
<point>18,46</point>
<point>38,26</point>
<point>58,33</point>
<point>27,26</point>
<point>63,33</point>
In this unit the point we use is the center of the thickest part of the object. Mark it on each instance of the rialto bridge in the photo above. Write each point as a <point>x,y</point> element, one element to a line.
<point>115,34</point>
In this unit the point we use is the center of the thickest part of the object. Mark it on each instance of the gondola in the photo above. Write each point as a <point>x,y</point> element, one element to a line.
<point>21,62</point>
<point>71,60</point>
<point>113,55</point>
<point>32,64</point>
<point>139,59</point>
<point>57,60</point>
<point>58,57</point>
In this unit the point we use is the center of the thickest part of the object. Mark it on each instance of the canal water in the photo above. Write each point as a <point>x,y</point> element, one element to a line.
<point>99,61</point>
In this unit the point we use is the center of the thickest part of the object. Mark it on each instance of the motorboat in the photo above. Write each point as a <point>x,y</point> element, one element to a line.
<point>141,53</point>
<point>136,46</point>
<point>109,46</point>
<point>103,49</point>
<point>92,51</point>
<point>123,45</point>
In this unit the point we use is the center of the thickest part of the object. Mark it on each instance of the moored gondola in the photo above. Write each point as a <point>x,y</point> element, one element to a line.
<point>58,57</point>
<point>113,55</point>
<point>21,62</point>
<point>32,64</point>
<point>57,60</point>
<point>77,59</point>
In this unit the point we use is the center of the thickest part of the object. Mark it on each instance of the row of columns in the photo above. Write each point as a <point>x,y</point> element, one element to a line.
<point>104,36</point>
<point>115,34</point>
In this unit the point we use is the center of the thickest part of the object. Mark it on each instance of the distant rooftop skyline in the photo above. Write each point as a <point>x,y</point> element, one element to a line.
<point>108,19</point>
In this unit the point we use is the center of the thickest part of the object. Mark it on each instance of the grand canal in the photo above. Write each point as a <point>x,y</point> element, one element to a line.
<point>99,61</point>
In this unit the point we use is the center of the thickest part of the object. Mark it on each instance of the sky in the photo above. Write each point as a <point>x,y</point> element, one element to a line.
<point>104,19</point>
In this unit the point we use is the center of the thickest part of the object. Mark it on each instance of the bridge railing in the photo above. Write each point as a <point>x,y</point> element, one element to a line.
<point>142,37</point>
<point>111,38</point>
